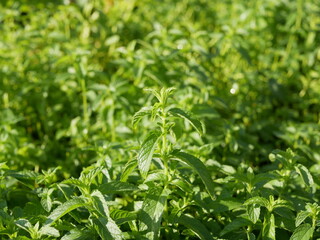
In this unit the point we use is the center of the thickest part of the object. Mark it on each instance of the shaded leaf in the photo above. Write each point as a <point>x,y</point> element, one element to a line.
<point>140,114</point>
<point>196,226</point>
<point>234,225</point>
<point>116,187</point>
<point>194,122</point>
<point>200,168</point>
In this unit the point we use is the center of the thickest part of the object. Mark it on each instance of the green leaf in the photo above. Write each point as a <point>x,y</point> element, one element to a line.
<point>146,152</point>
<point>196,226</point>
<point>301,216</point>
<point>257,200</point>
<point>251,236</point>
<point>140,114</point>
<point>109,229</point>
<point>122,216</point>
<point>105,230</point>
<point>77,234</point>
<point>305,175</point>
<point>200,168</point>
<point>117,187</point>
<point>269,229</point>
<point>303,232</point>
<point>128,168</point>
<point>194,122</point>
<point>234,225</point>
<point>151,213</point>
<point>24,224</point>
<point>254,212</point>
<point>50,231</point>
<point>46,201</point>
<point>65,208</point>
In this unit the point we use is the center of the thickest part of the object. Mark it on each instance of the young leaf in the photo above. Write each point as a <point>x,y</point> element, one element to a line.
<point>301,217</point>
<point>128,168</point>
<point>146,152</point>
<point>257,200</point>
<point>269,228</point>
<point>305,175</point>
<point>303,232</point>
<point>151,213</point>
<point>196,226</point>
<point>140,114</point>
<point>253,212</point>
<point>194,122</point>
<point>46,201</point>
<point>65,208</point>
<point>200,168</point>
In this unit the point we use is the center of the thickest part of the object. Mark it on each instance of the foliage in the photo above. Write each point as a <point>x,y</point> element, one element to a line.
<point>159,119</point>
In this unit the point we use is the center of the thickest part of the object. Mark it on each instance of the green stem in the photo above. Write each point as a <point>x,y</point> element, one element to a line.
<point>164,141</point>
<point>84,100</point>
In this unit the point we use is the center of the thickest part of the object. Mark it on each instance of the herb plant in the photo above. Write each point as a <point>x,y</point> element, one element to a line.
<point>159,119</point>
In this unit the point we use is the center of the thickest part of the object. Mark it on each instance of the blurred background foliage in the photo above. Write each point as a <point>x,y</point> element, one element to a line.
<point>72,75</point>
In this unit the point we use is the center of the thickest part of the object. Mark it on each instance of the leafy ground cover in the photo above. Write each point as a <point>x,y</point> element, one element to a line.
<point>189,119</point>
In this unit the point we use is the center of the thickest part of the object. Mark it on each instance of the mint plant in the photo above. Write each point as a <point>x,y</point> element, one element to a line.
<point>159,119</point>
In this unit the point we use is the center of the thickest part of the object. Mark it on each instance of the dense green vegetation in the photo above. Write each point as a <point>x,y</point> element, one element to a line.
<point>172,119</point>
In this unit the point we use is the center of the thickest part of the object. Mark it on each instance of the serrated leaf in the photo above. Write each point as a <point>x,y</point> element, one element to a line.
<point>49,231</point>
<point>194,122</point>
<point>303,232</point>
<point>140,114</point>
<point>24,224</point>
<point>200,168</point>
<point>105,230</point>
<point>234,225</point>
<point>305,175</point>
<point>128,168</point>
<point>117,187</point>
<point>122,216</point>
<point>146,152</point>
<point>253,211</point>
<point>269,228</point>
<point>151,213</point>
<point>65,208</point>
<point>301,216</point>
<point>76,182</point>
<point>108,228</point>
<point>46,201</point>
<point>257,200</point>
<point>196,226</point>
<point>156,176</point>
<point>76,234</point>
